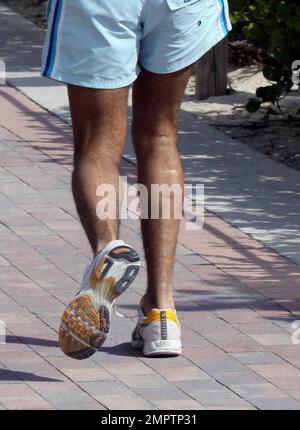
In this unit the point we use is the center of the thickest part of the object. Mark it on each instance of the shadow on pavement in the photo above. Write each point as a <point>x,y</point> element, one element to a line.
<point>124,349</point>
<point>31,341</point>
<point>15,376</point>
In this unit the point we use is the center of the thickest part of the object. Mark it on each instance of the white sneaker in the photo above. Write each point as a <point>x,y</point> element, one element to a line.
<point>85,322</point>
<point>157,333</point>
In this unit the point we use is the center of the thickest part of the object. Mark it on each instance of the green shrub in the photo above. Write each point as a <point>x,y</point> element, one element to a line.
<point>274,28</point>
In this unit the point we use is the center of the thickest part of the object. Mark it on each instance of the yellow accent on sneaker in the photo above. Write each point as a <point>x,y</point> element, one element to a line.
<point>96,273</point>
<point>158,333</point>
<point>156,313</point>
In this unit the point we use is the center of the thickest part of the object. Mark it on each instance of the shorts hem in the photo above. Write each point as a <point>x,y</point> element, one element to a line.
<point>93,83</point>
<point>187,61</point>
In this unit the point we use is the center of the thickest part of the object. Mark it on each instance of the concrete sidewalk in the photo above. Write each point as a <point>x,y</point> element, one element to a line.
<point>236,299</point>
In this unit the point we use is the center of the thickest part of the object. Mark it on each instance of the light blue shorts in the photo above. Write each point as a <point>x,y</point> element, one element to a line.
<point>104,43</point>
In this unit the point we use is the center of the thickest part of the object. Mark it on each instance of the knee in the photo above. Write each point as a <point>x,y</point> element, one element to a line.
<point>158,136</point>
<point>95,155</point>
<point>154,125</point>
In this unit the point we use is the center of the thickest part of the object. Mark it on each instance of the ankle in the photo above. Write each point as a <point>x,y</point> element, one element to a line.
<point>101,244</point>
<point>149,302</point>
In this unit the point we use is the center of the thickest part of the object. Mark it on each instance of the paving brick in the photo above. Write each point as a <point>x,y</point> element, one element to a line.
<point>156,394</point>
<point>286,352</point>
<point>178,405</point>
<point>113,354</point>
<point>242,406</point>
<point>178,373</point>
<point>276,370</point>
<point>60,392</point>
<point>207,326</point>
<point>235,343</point>
<point>295,394</point>
<point>149,381</point>
<point>14,357</point>
<point>236,315</point>
<point>245,376</point>
<point>217,365</point>
<point>12,345</point>
<point>251,391</point>
<point>86,405</point>
<point>212,274</point>
<point>100,388</point>
<point>20,391</point>
<point>193,387</point>
<point>167,361</point>
<point>198,355</point>
<point>273,339</point>
<point>124,402</point>
<point>37,372</point>
<point>257,357</point>
<point>259,327</point>
<point>192,339</point>
<point>276,404</point>
<point>192,259</point>
<point>133,368</point>
<point>27,404</point>
<point>231,295</point>
<point>64,362</point>
<point>89,374</point>
<point>286,377</point>
<point>221,397</point>
<point>286,383</point>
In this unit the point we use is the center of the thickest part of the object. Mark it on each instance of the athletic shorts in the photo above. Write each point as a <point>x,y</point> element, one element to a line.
<point>105,43</point>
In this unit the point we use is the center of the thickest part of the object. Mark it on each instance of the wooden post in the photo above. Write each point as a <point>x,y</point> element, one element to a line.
<point>211,72</point>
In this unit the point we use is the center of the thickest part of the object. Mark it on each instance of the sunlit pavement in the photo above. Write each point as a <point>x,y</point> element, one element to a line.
<point>236,299</point>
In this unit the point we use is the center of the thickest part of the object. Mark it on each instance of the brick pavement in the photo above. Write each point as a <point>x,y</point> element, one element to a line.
<point>236,299</point>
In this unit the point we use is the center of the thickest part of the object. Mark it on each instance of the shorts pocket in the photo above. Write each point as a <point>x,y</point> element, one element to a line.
<point>178,4</point>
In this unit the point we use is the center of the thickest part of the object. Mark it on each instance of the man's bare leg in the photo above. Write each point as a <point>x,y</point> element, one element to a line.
<point>156,105</point>
<point>100,124</point>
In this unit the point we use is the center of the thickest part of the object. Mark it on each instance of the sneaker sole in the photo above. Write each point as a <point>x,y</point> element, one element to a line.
<point>159,348</point>
<point>85,322</point>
